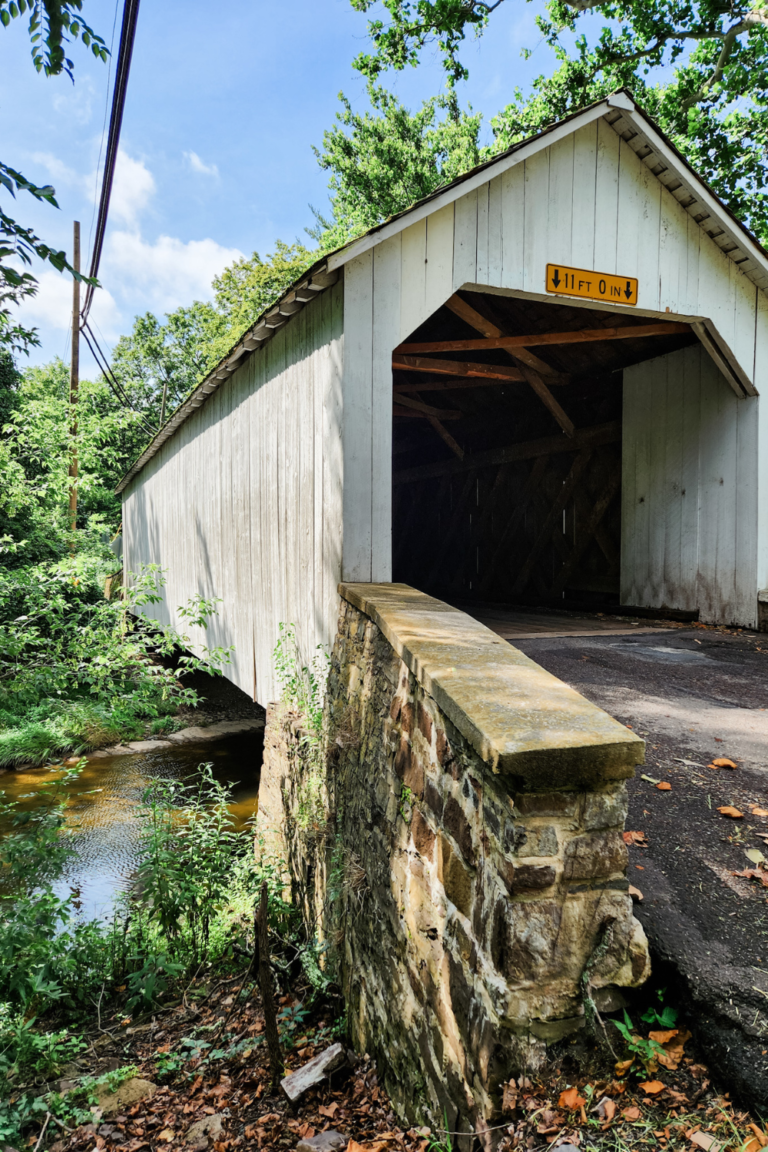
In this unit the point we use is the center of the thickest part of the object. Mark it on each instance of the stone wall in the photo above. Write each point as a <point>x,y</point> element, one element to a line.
<point>470,908</point>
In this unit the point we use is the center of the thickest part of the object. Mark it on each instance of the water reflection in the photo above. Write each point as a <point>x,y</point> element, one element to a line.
<point>103,804</point>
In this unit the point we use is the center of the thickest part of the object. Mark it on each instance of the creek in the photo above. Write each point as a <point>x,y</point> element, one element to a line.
<point>103,806</point>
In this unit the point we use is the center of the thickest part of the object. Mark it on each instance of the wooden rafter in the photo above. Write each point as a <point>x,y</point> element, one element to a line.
<point>445,435</point>
<point>456,368</point>
<point>447,385</point>
<point>474,318</point>
<point>531,372</point>
<point>512,343</point>
<point>399,410</point>
<point>428,410</point>
<point>593,437</point>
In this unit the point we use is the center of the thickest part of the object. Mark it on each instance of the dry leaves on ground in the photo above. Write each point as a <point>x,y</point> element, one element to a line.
<point>571,1100</point>
<point>729,810</point>
<point>722,762</point>
<point>663,786</point>
<point>652,1087</point>
<point>637,838</point>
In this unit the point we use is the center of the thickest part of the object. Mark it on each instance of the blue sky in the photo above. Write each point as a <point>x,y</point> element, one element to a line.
<point>224,105</point>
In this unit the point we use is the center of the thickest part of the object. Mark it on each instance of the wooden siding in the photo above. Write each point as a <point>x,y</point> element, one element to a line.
<point>586,200</point>
<point>245,501</point>
<point>689,501</point>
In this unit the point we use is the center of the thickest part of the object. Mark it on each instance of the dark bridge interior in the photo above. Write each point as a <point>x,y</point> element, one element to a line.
<point>507,453</point>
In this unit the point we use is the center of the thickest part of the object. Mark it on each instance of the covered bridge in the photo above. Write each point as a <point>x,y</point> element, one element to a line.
<point>538,385</point>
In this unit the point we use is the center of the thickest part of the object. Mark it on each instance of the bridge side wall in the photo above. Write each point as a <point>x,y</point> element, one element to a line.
<point>244,503</point>
<point>465,905</point>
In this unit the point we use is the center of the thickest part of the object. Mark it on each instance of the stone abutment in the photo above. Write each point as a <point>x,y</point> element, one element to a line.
<point>459,847</point>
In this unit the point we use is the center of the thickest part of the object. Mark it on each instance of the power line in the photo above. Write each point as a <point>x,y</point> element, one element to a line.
<point>103,126</point>
<point>110,377</point>
<point>125,52</point>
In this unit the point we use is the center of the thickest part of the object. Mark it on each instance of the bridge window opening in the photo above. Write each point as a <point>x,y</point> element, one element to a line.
<point>507,464</point>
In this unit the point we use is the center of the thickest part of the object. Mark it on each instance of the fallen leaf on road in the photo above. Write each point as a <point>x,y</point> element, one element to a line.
<point>329,1110</point>
<point>167,1134</point>
<point>723,762</point>
<point>663,786</point>
<point>570,1099</point>
<point>759,811</point>
<point>623,1066</point>
<point>729,810</point>
<point>606,1109</point>
<point>631,1114</point>
<point>758,874</point>
<point>755,855</point>
<point>635,893</point>
<point>653,1087</point>
<point>638,838</point>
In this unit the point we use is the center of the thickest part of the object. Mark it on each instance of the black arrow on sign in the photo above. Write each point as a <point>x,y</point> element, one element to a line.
<point>628,291</point>
<point>556,277</point>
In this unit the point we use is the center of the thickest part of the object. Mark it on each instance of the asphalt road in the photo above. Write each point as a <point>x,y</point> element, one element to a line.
<point>694,694</point>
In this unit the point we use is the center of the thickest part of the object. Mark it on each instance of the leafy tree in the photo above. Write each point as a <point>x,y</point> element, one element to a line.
<point>34,459</point>
<point>159,364</point>
<point>714,107</point>
<point>52,23</point>
<point>383,161</point>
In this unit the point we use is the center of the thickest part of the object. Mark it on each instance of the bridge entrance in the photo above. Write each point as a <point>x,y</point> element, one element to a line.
<point>507,453</point>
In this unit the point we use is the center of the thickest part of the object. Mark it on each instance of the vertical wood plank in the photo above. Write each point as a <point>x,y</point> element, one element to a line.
<point>495,232</point>
<point>513,232</point>
<point>482,235</point>
<point>583,197</point>
<point>386,286</point>
<point>465,241</point>
<point>414,279</point>
<point>606,198</point>
<point>357,392</point>
<point>536,237</point>
<point>439,281</point>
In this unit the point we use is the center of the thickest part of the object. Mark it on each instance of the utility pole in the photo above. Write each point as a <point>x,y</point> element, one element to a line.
<point>74,384</point>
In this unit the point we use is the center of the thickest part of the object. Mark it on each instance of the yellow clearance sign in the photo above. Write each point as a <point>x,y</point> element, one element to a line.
<point>592,285</point>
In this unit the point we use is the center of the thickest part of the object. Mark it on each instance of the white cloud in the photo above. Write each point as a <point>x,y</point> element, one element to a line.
<point>52,306</point>
<point>197,165</point>
<point>60,171</point>
<point>132,189</point>
<point>165,274</point>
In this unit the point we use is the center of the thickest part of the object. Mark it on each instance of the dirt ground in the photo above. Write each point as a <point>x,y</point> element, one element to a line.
<point>695,694</point>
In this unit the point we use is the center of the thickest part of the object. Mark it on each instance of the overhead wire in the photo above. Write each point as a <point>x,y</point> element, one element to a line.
<point>112,380</point>
<point>103,126</point>
<point>122,71</point>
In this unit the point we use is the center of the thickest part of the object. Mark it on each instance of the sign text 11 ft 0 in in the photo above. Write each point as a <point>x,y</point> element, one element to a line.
<point>592,285</point>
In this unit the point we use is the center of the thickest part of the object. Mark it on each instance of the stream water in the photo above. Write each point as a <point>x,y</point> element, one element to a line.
<point>104,803</point>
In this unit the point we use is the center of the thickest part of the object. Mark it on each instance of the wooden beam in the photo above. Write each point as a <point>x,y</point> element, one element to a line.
<point>470,316</point>
<point>593,437</point>
<point>530,372</point>
<point>397,410</point>
<point>548,400</point>
<point>577,471</point>
<point>447,385</point>
<point>445,435</point>
<point>584,336</point>
<point>428,410</point>
<point>447,534</point>
<point>456,368</point>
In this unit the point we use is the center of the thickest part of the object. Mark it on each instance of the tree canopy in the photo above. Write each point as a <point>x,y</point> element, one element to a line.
<point>52,25</point>
<point>699,67</point>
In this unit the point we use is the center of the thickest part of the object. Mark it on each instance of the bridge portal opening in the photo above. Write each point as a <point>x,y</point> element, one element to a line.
<point>507,449</point>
